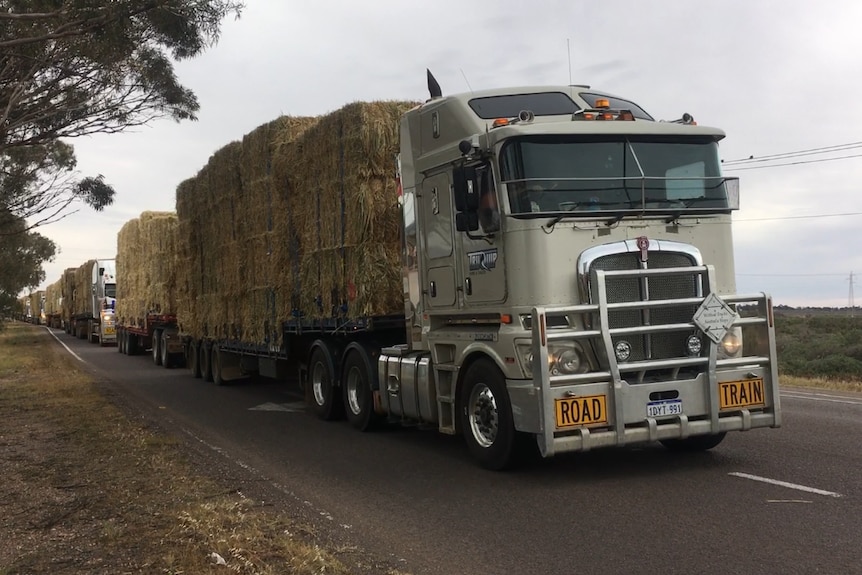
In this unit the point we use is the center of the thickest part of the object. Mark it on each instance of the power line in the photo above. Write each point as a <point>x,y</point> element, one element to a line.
<point>734,169</point>
<point>813,216</point>
<point>793,275</point>
<point>806,152</point>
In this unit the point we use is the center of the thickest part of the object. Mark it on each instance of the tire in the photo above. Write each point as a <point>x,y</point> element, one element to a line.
<point>216,365</point>
<point>694,444</point>
<point>486,419</point>
<point>121,341</point>
<point>358,379</point>
<point>206,362</point>
<point>157,352</point>
<point>321,393</point>
<point>164,356</point>
<point>193,358</point>
<point>132,347</point>
<point>91,337</point>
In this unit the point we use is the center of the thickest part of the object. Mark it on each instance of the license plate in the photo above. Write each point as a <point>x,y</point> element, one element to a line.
<point>110,331</point>
<point>584,410</point>
<point>745,393</point>
<point>667,408</point>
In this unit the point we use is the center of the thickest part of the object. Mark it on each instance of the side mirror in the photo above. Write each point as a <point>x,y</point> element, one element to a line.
<point>731,185</point>
<point>465,189</point>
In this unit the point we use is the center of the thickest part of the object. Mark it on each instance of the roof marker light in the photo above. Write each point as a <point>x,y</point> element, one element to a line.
<point>603,103</point>
<point>500,122</point>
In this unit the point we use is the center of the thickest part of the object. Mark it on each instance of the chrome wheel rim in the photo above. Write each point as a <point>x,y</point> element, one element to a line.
<point>317,383</point>
<point>354,380</point>
<point>482,411</point>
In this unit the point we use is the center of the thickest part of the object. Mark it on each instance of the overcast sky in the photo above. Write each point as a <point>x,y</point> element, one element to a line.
<point>777,76</point>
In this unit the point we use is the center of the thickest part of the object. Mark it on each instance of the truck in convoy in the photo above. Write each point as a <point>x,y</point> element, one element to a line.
<point>552,270</point>
<point>54,304</point>
<point>93,300</point>
<point>146,288</point>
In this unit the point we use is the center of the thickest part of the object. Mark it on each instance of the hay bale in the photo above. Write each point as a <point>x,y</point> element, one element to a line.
<point>147,267</point>
<point>299,218</point>
<point>67,288</point>
<point>82,290</point>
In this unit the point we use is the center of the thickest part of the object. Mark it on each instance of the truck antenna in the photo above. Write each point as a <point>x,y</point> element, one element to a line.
<point>469,87</point>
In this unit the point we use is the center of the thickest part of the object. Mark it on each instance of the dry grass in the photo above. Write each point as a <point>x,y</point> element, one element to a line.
<point>86,490</point>
<point>822,383</point>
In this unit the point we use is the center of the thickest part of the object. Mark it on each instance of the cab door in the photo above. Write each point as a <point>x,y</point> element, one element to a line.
<point>482,257</point>
<point>439,282</point>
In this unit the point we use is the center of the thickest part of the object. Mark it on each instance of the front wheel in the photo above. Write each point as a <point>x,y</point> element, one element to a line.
<point>486,418</point>
<point>696,443</point>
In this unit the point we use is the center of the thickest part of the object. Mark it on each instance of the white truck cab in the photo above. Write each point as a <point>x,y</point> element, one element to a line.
<point>569,279</point>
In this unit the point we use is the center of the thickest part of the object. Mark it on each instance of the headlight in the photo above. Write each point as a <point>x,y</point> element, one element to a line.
<point>563,359</point>
<point>731,343</point>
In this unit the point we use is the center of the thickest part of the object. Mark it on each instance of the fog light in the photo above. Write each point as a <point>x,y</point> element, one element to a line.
<point>731,343</point>
<point>623,350</point>
<point>693,345</point>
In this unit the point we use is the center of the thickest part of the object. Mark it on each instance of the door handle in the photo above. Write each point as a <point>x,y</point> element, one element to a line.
<point>432,289</point>
<point>468,286</point>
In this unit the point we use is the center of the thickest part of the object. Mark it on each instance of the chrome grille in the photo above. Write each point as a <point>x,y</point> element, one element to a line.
<point>666,346</point>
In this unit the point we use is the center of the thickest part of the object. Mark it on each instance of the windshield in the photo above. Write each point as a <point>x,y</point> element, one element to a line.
<point>576,174</point>
<point>110,290</point>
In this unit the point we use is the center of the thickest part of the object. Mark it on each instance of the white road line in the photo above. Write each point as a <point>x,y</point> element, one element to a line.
<point>785,484</point>
<point>75,355</point>
<point>832,399</point>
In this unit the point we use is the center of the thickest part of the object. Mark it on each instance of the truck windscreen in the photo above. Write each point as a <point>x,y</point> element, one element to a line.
<point>573,174</point>
<point>110,290</point>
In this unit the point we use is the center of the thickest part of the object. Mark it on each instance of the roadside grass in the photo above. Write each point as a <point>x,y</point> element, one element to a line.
<point>87,490</point>
<point>821,382</point>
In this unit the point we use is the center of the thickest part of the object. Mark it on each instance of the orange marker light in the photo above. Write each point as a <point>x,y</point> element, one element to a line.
<point>500,122</point>
<point>607,116</point>
<point>603,103</point>
<point>505,318</point>
<point>589,116</point>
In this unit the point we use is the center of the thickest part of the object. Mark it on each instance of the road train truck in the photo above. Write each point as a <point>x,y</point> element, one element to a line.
<point>91,310</point>
<point>540,269</point>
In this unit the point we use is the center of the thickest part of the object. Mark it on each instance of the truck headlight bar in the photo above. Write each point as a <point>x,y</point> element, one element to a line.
<point>564,358</point>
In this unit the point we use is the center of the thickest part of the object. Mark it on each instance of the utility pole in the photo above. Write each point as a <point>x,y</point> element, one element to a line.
<point>851,300</point>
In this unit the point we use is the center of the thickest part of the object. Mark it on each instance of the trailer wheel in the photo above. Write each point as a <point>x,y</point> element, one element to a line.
<point>121,341</point>
<point>193,358</point>
<point>91,337</point>
<point>696,443</point>
<point>132,344</point>
<point>157,352</point>
<point>486,418</point>
<point>206,362</point>
<point>358,378</point>
<point>217,365</point>
<point>320,389</point>
<point>167,360</point>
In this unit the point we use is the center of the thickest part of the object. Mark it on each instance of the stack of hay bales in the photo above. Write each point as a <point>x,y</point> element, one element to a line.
<point>36,307</point>
<point>82,292</point>
<point>53,300</point>
<point>67,289</point>
<point>299,219</point>
<point>147,268</point>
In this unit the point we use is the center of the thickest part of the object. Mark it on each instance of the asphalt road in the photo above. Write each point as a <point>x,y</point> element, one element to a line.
<point>771,501</point>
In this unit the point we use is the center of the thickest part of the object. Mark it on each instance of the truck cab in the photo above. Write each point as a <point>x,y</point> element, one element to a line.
<point>569,278</point>
<point>102,326</point>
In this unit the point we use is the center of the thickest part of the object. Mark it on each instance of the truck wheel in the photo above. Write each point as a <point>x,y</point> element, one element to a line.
<point>206,362</point>
<point>358,379</point>
<point>486,418</point>
<point>217,366</point>
<point>320,389</point>
<point>132,347</point>
<point>193,358</point>
<point>121,341</point>
<point>157,352</point>
<point>696,443</point>
<point>163,351</point>
<point>91,337</point>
